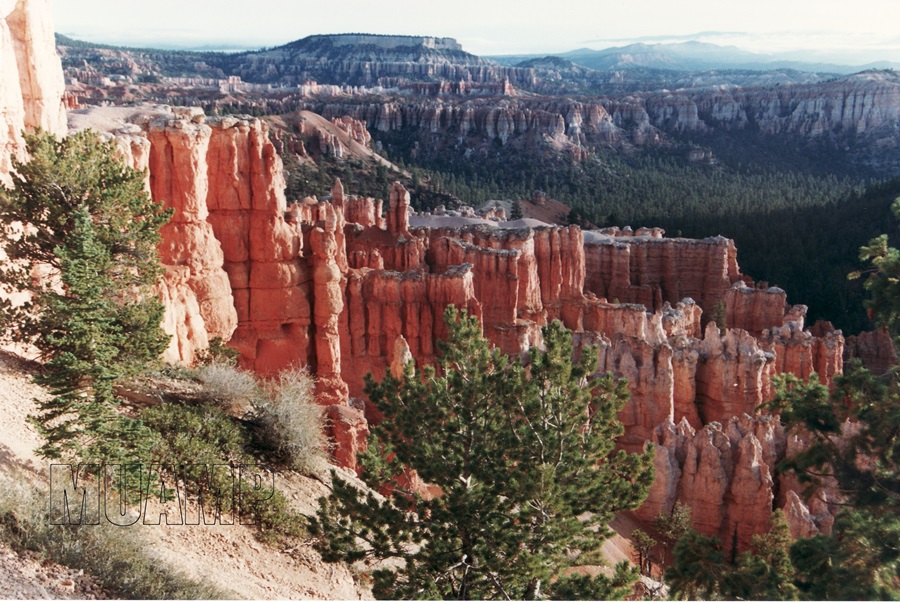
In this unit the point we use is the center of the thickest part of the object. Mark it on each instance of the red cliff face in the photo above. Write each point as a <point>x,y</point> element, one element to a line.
<point>345,290</point>
<point>754,309</point>
<point>733,374</point>
<point>874,349</point>
<point>724,472</point>
<point>190,250</point>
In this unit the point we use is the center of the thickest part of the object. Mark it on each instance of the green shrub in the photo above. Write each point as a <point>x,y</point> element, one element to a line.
<point>195,434</point>
<point>83,213</point>
<point>275,520</point>
<point>203,434</point>
<point>218,352</point>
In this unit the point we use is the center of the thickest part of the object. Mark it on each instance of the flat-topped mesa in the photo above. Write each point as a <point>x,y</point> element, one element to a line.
<point>390,41</point>
<point>371,61</point>
<point>31,78</point>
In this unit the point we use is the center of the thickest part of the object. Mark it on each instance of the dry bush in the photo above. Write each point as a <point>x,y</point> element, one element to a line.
<point>230,387</point>
<point>293,422</point>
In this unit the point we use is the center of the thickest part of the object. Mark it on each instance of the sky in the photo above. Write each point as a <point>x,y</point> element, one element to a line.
<point>830,30</point>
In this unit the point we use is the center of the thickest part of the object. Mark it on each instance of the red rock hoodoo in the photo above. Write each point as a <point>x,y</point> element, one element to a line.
<point>335,285</point>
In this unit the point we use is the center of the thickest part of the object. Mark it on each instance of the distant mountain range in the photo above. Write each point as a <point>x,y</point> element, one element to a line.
<point>687,56</point>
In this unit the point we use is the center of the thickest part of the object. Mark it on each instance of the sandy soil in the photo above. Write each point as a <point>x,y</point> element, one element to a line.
<point>18,438</point>
<point>230,557</point>
<point>111,119</point>
<point>25,576</point>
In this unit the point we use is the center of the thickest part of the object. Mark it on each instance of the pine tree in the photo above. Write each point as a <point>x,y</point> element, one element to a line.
<point>83,219</point>
<point>698,568</point>
<point>766,571</point>
<point>79,420</point>
<point>700,571</point>
<point>643,546</point>
<point>672,526</point>
<point>523,453</point>
<point>515,211</point>
<point>883,280</point>
<point>861,558</point>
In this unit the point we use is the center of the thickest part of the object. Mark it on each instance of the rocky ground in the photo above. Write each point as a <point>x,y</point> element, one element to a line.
<point>26,576</point>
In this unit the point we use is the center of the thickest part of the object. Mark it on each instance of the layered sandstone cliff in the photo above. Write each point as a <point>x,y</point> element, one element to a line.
<point>347,286</point>
<point>874,349</point>
<point>31,77</point>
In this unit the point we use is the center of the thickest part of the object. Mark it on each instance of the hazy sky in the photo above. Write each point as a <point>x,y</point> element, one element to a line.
<point>859,31</point>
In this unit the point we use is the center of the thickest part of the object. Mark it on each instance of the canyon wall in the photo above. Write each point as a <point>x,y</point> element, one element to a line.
<point>502,119</point>
<point>347,286</point>
<point>31,78</point>
<point>874,349</point>
<point>865,105</point>
<point>337,286</point>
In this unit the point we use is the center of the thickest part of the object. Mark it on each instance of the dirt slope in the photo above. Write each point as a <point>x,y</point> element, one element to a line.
<point>227,556</point>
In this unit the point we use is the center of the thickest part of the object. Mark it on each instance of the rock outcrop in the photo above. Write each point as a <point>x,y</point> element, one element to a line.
<point>339,287</point>
<point>646,268</point>
<point>725,472</point>
<point>874,349</point>
<point>31,77</point>
<point>863,107</point>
